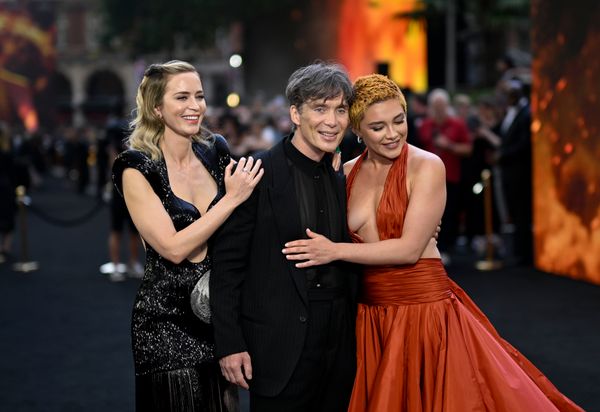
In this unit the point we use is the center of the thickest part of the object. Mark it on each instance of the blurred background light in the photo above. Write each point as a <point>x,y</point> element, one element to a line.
<point>235,60</point>
<point>233,100</point>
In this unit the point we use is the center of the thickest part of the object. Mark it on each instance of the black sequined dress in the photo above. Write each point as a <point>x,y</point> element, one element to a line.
<point>173,349</point>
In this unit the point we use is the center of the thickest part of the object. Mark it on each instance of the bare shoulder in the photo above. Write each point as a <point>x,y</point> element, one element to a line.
<point>418,158</point>
<point>422,162</point>
<point>134,181</point>
<point>133,175</point>
<point>349,165</point>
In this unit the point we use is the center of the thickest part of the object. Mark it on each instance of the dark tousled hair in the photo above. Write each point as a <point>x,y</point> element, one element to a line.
<point>318,81</point>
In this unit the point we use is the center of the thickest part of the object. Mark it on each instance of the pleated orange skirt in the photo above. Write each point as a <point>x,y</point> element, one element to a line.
<point>423,345</point>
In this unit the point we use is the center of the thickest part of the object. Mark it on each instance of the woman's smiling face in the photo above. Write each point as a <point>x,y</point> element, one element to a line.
<point>183,104</point>
<point>384,129</point>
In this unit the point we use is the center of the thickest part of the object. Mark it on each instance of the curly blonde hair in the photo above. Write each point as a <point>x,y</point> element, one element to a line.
<point>371,89</point>
<point>147,127</point>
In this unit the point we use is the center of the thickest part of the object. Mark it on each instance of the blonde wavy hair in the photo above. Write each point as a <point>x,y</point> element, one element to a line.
<point>371,89</point>
<point>147,127</point>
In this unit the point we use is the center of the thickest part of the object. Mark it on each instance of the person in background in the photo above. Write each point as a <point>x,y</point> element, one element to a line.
<point>269,132</point>
<point>103,161</point>
<point>464,110</point>
<point>252,139</point>
<point>84,136</point>
<point>448,137</point>
<point>116,134</point>
<point>8,185</point>
<point>416,114</point>
<point>231,128</point>
<point>514,161</point>
<point>76,151</point>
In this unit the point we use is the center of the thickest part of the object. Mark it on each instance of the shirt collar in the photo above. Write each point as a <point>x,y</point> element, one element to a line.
<point>303,162</point>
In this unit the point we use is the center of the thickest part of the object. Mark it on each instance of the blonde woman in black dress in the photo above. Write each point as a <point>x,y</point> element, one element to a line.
<point>179,185</point>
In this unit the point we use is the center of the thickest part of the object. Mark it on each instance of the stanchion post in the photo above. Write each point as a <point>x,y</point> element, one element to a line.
<point>489,263</point>
<point>24,264</point>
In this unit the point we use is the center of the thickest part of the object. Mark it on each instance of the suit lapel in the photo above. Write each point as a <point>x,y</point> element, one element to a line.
<point>284,204</point>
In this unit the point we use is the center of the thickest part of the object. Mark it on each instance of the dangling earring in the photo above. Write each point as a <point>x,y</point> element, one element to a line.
<point>358,139</point>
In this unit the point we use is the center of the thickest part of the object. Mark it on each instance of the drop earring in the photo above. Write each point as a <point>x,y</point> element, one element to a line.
<point>358,139</point>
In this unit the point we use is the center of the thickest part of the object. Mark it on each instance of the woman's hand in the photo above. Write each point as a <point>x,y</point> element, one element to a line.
<point>318,250</point>
<point>240,183</point>
<point>336,160</point>
<point>436,233</point>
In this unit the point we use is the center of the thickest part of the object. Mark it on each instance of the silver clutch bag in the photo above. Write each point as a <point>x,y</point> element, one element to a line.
<point>199,298</point>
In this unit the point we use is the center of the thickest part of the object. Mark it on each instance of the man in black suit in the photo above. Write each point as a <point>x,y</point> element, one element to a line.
<point>284,332</point>
<point>514,159</point>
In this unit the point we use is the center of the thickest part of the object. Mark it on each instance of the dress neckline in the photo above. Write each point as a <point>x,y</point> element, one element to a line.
<point>400,161</point>
<point>196,150</point>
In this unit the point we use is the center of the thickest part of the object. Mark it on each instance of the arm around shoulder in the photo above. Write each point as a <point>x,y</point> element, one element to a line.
<point>425,208</point>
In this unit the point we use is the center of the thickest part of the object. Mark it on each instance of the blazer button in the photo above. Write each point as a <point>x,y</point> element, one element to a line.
<point>302,319</point>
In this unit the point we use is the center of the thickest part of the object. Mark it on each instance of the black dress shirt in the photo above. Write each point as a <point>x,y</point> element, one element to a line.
<point>319,208</point>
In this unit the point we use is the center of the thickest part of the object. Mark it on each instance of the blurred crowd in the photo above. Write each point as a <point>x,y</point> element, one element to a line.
<point>81,158</point>
<point>470,133</point>
<point>478,137</point>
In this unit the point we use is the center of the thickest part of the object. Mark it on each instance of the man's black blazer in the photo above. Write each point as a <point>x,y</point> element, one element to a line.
<point>515,149</point>
<point>259,298</point>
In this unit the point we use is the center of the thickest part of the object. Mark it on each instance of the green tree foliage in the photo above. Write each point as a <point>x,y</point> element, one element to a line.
<point>485,23</point>
<point>488,13</point>
<point>146,26</point>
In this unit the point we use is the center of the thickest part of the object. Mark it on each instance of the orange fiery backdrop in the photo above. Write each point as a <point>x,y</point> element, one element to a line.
<point>371,32</point>
<point>566,132</point>
<point>26,59</point>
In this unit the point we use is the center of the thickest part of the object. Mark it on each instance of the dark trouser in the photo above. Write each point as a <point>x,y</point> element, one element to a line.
<point>518,196</point>
<point>119,215</point>
<point>451,218</point>
<point>324,375</point>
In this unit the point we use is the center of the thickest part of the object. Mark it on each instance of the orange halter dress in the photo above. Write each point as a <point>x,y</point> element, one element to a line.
<point>423,345</point>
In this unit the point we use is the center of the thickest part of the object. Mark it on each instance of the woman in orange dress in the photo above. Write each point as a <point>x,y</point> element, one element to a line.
<point>422,344</point>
